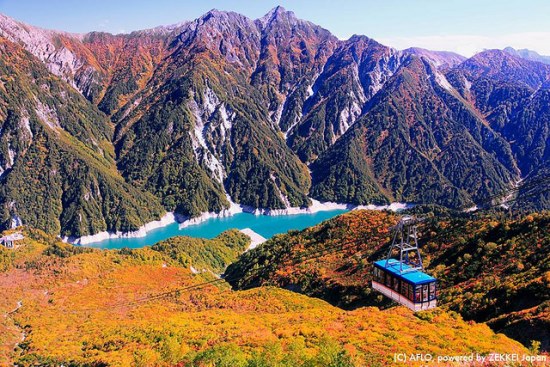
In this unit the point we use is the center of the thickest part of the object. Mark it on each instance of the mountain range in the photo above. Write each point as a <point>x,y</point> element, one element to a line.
<point>103,132</point>
<point>528,54</point>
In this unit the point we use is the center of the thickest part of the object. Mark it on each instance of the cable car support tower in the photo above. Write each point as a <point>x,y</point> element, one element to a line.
<point>405,241</point>
<point>403,279</point>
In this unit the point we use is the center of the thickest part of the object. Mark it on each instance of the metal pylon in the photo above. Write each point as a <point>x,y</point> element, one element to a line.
<point>405,240</point>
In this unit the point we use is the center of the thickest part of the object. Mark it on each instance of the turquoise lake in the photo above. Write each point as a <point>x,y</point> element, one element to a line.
<point>265,225</point>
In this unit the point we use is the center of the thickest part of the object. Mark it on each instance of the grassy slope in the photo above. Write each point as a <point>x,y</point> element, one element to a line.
<point>76,309</point>
<point>489,271</point>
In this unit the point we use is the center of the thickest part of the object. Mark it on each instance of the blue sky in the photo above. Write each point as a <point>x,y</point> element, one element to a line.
<point>465,26</point>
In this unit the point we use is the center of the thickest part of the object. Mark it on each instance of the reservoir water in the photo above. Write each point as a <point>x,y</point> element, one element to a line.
<point>265,225</point>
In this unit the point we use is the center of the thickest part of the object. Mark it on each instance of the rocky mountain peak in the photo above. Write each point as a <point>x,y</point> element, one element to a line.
<point>278,14</point>
<point>35,40</point>
<point>243,101</point>
<point>527,54</point>
<point>215,14</point>
<point>504,66</point>
<point>223,20</point>
<point>442,59</point>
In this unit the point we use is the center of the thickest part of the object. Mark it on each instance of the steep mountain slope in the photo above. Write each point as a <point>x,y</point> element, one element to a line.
<point>124,63</point>
<point>224,135</point>
<point>443,60</point>
<point>496,271</point>
<point>105,68</point>
<point>57,163</point>
<point>225,108</point>
<point>329,261</point>
<point>51,48</point>
<point>210,143</point>
<point>533,193</point>
<point>293,53</point>
<point>417,123</point>
<point>355,72</point>
<point>512,94</point>
<point>488,270</point>
<point>84,307</point>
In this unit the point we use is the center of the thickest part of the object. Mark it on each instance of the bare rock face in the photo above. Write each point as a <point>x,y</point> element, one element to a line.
<point>48,46</point>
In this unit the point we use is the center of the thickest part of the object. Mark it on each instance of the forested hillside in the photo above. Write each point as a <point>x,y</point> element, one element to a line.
<point>265,113</point>
<point>489,270</point>
<point>57,162</point>
<point>164,306</point>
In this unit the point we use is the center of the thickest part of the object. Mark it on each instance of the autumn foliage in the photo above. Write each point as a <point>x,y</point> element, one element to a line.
<point>489,269</point>
<point>84,307</point>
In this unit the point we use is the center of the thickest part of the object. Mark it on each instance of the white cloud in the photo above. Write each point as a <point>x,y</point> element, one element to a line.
<point>469,45</point>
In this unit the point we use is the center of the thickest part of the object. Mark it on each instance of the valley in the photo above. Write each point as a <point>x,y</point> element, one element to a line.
<point>215,192</point>
<point>264,225</point>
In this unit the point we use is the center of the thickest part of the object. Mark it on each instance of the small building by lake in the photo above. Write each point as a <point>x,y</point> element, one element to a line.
<point>9,241</point>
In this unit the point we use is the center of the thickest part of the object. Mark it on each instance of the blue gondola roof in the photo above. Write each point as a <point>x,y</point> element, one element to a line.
<point>415,276</point>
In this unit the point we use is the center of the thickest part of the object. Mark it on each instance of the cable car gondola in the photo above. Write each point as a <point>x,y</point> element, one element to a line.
<point>403,280</point>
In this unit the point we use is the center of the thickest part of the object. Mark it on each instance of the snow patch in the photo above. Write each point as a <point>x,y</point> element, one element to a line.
<point>309,91</point>
<point>467,84</point>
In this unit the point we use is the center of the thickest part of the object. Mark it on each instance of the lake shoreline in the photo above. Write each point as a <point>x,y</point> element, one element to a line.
<point>171,218</point>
